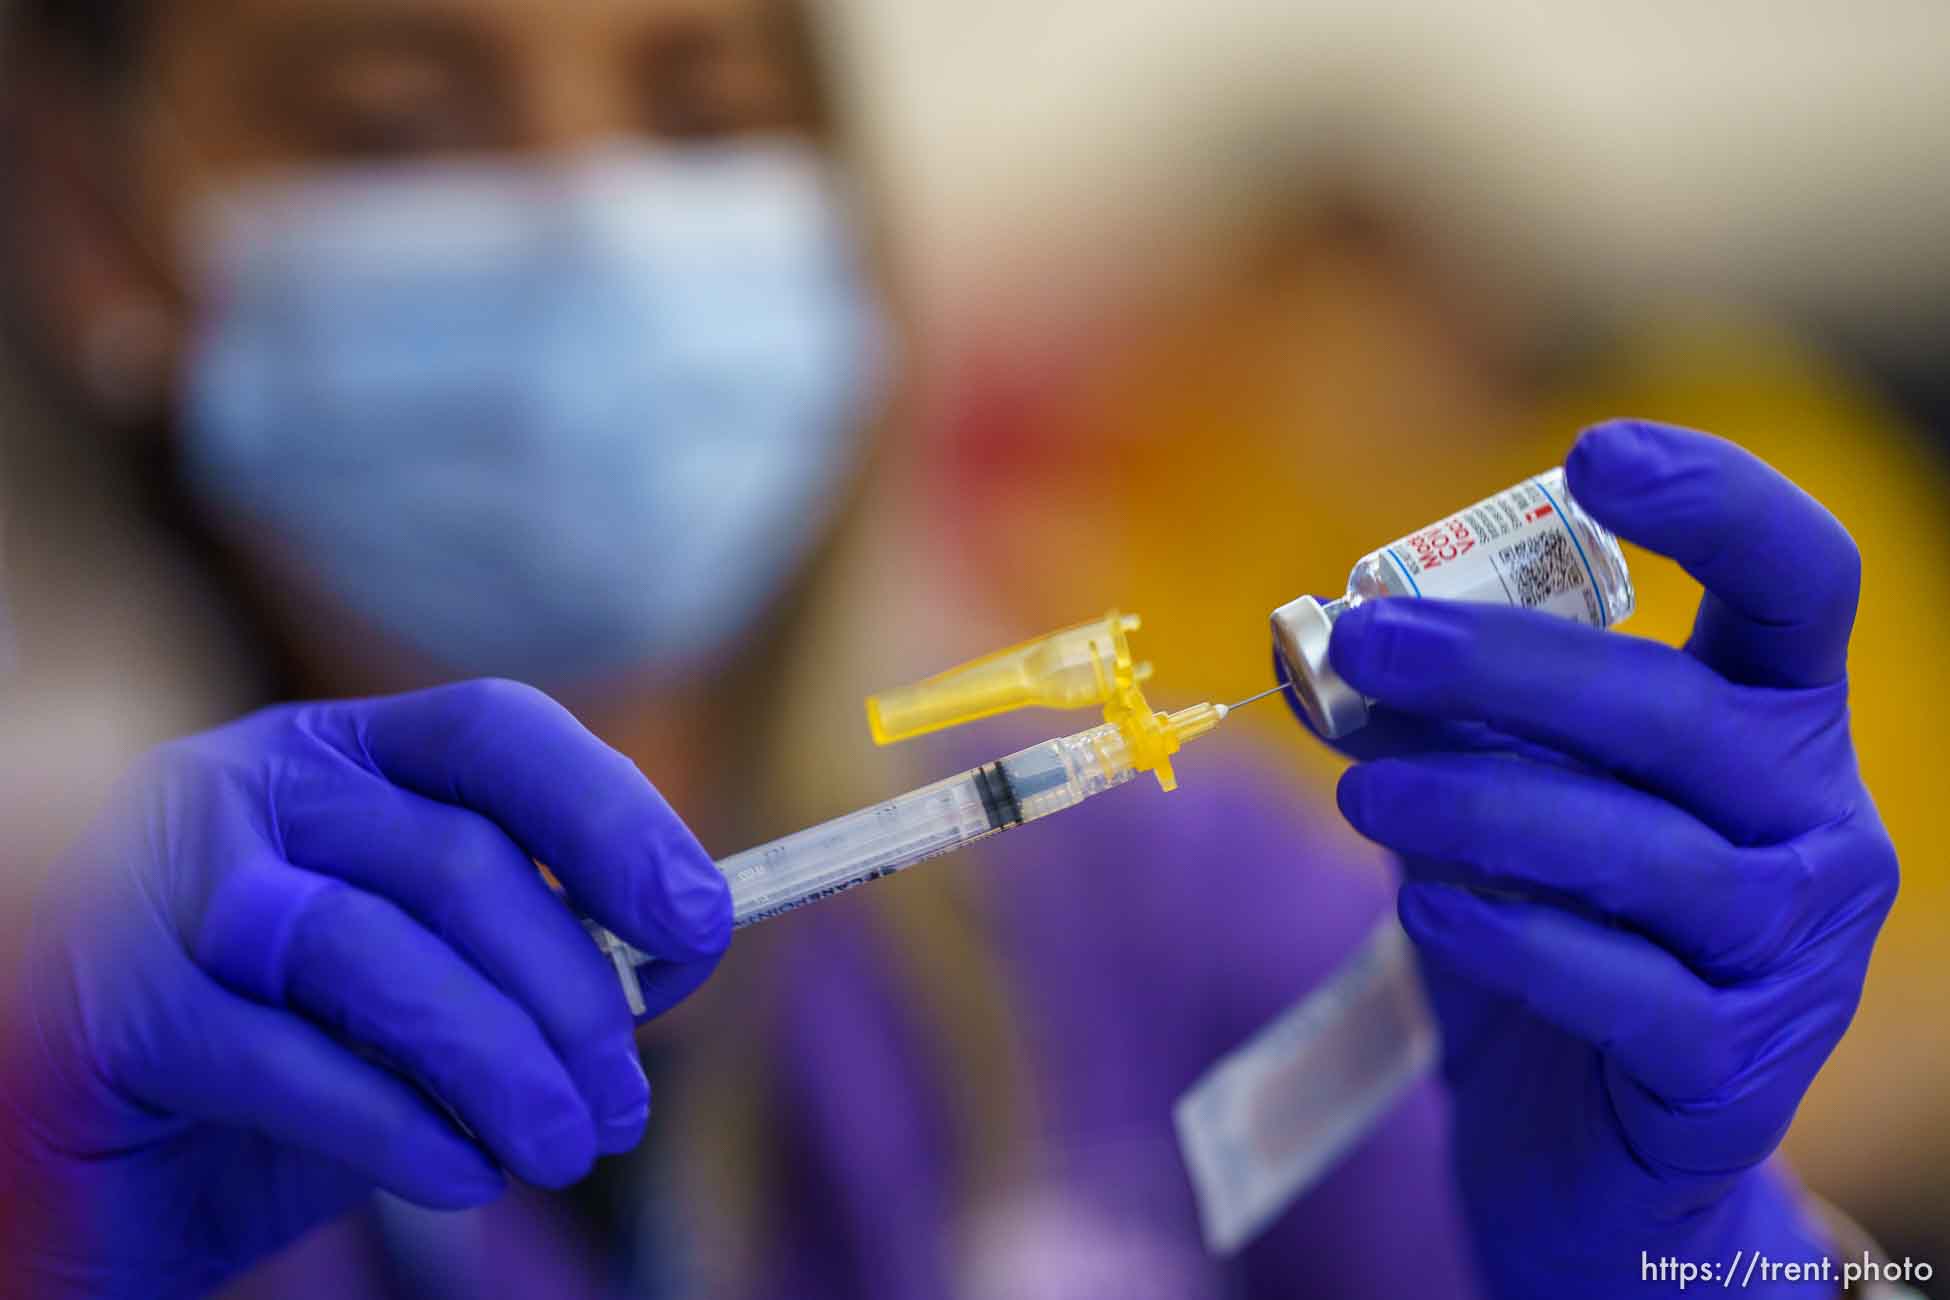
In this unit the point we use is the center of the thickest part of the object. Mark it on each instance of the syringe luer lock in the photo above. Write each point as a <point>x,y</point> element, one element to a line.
<point>1530,545</point>
<point>1087,664</point>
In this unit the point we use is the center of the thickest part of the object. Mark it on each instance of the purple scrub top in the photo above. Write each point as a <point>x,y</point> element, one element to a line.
<point>1142,936</point>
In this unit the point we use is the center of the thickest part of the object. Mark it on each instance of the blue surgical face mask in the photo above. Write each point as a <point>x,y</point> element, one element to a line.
<point>538,421</point>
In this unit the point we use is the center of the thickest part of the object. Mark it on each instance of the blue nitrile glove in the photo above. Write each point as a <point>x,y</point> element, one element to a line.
<point>1681,876</point>
<point>267,911</point>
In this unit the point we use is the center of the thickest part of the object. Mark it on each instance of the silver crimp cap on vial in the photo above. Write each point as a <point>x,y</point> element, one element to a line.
<point>1301,629</point>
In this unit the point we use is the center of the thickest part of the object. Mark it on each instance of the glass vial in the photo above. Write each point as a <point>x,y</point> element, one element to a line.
<point>1530,545</point>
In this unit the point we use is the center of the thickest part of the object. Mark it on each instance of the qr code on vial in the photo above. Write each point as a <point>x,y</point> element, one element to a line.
<point>1541,567</point>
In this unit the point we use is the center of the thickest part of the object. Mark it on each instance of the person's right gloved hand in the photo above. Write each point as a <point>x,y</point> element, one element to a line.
<point>1645,880</point>
<point>270,911</point>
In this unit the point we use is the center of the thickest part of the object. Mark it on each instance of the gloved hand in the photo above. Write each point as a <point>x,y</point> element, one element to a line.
<point>269,910</point>
<point>1644,882</point>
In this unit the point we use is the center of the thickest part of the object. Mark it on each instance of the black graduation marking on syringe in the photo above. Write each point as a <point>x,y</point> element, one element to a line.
<point>998,796</point>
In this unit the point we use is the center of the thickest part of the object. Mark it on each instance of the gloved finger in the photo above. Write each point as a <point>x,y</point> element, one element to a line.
<point>1503,824</point>
<point>363,968</point>
<point>518,758</point>
<point>1752,764</point>
<point>1390,731</point>
<point>461,877</point>
<point>356,964</point>
<point>1611,988</point>
<point>1781,573</point>
<point>232,1061</point>
<point>1622,703</point>
<point>666,983</point>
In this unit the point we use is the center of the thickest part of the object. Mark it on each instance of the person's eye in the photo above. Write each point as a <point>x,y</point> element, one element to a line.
<point>360,132</point>
<point>678,98</point>
<point>703,82</point>
<point>394,109</point>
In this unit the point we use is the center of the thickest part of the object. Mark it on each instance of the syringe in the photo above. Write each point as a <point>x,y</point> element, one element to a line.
<point>876,841</point>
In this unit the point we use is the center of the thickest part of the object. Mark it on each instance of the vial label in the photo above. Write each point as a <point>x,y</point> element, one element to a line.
<point>1515,548</point>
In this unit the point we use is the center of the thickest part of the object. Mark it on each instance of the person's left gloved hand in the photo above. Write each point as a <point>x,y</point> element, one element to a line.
<point>1644,881</point>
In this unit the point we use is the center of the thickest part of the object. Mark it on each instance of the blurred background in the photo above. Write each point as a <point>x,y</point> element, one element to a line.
<point>1201,302</point>
<point>1241,289</point>
<point>1220,296</point>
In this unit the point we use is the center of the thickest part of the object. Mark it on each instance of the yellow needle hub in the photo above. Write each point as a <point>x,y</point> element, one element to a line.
<point>1087,665</point>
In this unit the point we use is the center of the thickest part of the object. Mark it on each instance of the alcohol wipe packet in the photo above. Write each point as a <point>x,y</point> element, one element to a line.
<point>1267,1121</point>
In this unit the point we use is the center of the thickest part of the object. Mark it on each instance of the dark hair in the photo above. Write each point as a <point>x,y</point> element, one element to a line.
<point>103,33</point>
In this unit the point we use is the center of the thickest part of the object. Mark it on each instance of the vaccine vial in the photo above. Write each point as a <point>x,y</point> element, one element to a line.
<point>1530,546</point>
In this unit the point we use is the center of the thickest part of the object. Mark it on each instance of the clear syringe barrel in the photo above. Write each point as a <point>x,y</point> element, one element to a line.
<point>811,864</point>
<point>876,841</point>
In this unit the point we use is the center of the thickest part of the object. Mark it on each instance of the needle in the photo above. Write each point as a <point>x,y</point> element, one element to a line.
<point>1271,690</point>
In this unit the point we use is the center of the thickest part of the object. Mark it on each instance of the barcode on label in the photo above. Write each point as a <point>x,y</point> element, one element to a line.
<point>1540,567</point>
